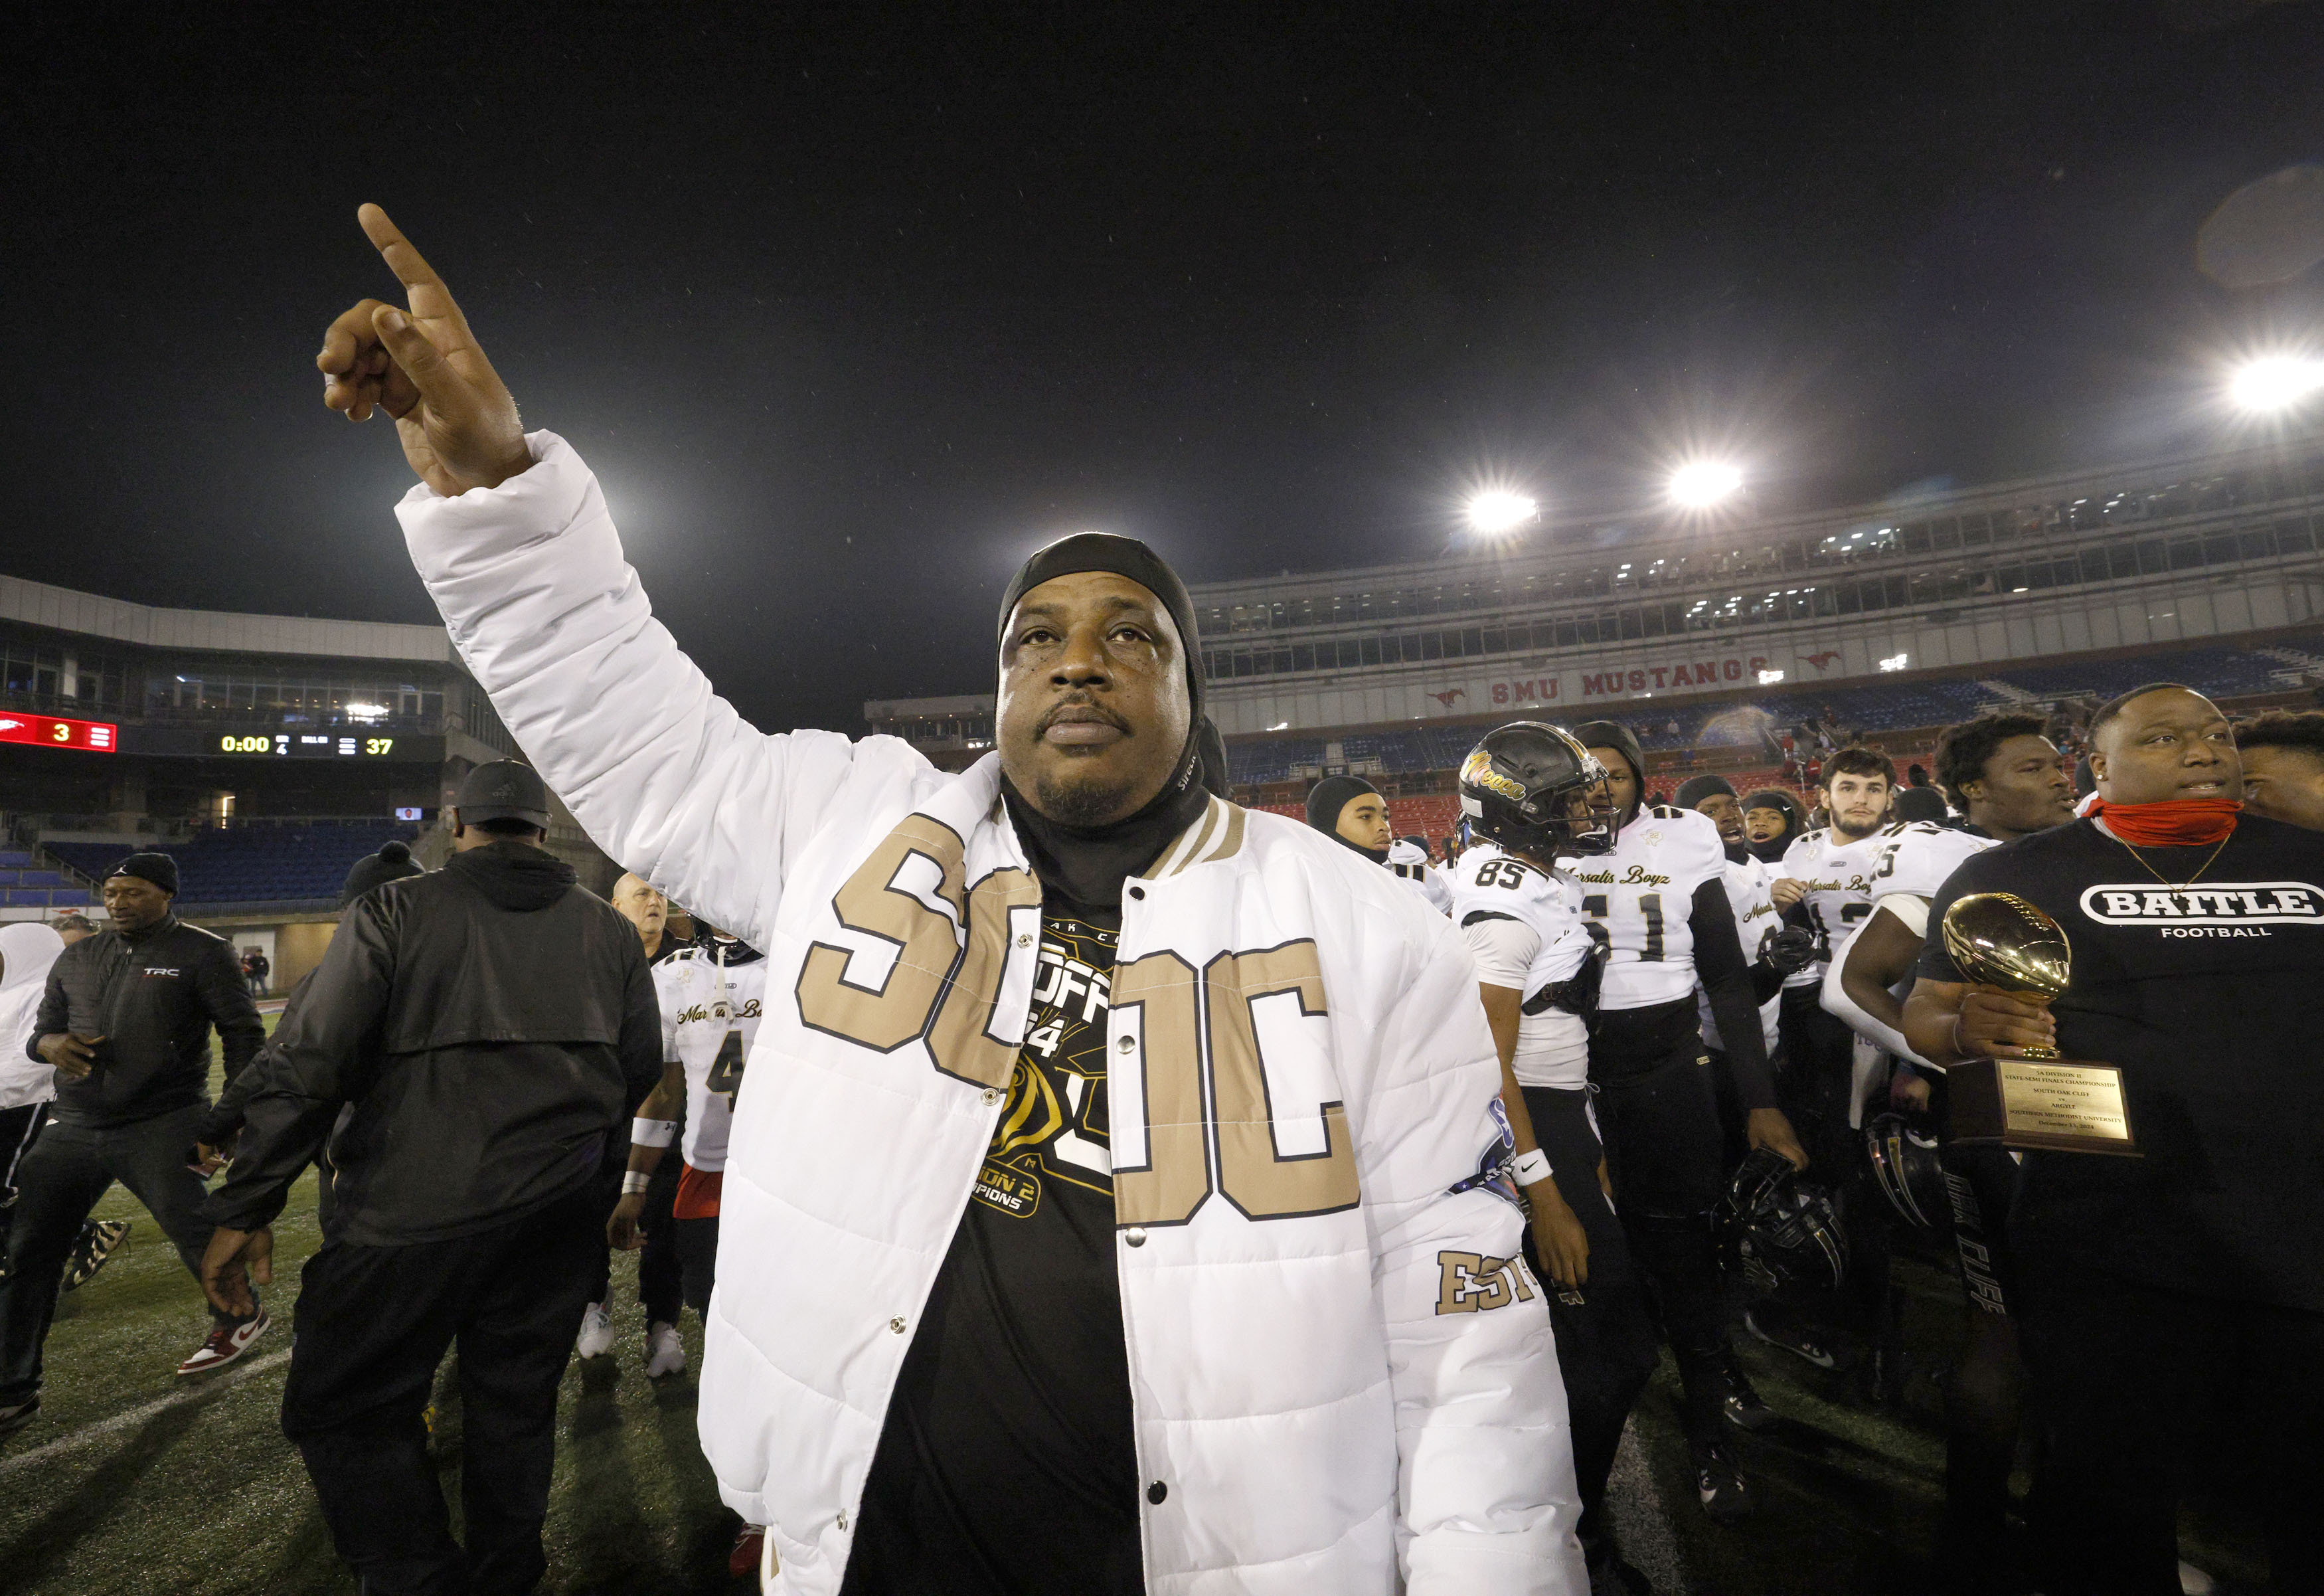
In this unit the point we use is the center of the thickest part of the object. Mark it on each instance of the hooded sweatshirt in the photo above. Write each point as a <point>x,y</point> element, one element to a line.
<point>493,1026</point>
<point>27,949</point>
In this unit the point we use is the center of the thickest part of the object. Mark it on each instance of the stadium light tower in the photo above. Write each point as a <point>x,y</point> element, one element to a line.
<point>1497,512</point>
<point>1700,483</point>
<point>2275,382</point>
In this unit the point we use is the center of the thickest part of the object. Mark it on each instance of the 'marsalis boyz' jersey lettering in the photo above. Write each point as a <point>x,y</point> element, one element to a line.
<point>1843,880</point>
<point>1638,901</point>
<point>2237,909</point>
<point>1053,1128</point>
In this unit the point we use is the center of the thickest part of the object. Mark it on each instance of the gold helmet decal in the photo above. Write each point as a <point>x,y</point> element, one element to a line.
<point>1477,771</point>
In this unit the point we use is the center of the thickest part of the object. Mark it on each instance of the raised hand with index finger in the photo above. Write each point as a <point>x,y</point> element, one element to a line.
<point>458,424</point>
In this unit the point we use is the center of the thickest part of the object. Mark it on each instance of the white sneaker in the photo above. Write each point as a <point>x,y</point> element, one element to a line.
<point>664,1353</point>
<point>2194,1582</point>
<point>596,1337</point>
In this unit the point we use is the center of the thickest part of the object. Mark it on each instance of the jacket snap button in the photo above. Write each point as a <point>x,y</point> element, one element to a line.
<point>1156,1492</point>
<point>1024,939</point>
<point>1135,1235</point>
<point>842,1517</point>
<point>897,1325</point>
<point>992,1095</point>
<point>1124,1046</point>
<point>1139,893</point>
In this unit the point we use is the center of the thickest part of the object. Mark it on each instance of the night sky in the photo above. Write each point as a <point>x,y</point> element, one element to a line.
<point>850,313</point>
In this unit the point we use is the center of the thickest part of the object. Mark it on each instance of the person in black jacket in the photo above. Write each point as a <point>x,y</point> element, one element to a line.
<point>494,1027</point>
<point>125,1022</point>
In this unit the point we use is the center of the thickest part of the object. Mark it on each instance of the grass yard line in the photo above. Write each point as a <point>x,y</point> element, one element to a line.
<point>138,1415</point>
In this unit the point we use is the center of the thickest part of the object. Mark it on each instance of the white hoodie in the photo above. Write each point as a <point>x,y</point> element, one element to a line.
<point>1342,1374</point>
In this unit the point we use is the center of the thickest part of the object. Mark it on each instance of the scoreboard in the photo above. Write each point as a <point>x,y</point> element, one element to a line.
<point>312,745</point>
<point>48,732</point>
<point>340,744</point>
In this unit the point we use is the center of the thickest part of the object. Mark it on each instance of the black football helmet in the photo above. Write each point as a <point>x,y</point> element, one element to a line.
<point>1535,792</point>
<point>1775,1231</point>
<point>1905,1162</point>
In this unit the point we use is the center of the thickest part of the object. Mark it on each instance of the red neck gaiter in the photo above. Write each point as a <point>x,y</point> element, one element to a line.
<point>2176,822</point>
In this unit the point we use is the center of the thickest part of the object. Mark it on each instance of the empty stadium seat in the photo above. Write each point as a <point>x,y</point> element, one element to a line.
<point>293,862</point>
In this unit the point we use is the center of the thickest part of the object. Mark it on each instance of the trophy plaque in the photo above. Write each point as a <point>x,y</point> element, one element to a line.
<point>2001,942</point>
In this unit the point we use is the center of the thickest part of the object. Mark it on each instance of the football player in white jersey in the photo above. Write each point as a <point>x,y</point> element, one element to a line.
<point>1826,883</point>
<point>1776,951</point>
<point>1658,905</point>
<point>2009,781</point>
<point>1351,810</point>
<point>1528,790</point>
<point>712,996</point>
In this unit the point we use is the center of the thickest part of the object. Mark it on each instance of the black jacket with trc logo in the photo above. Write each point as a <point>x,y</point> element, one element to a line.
<point>493,1027</point>
<point>152,995</point>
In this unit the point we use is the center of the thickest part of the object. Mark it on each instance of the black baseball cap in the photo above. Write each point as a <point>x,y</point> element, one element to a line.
<point>504,789</point>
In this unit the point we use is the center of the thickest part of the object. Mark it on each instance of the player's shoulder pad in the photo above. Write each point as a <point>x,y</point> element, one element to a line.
<point>1668,811</point>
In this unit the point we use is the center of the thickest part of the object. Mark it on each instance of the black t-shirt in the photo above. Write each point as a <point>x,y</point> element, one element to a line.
<point>2205,999</point>
<point>1007,1465</point>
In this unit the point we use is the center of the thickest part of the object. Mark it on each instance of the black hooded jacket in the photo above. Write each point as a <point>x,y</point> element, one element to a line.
<point>493,1026</point>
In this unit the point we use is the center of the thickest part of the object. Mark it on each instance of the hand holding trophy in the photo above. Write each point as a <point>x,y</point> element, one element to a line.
<point>2036,1098</point>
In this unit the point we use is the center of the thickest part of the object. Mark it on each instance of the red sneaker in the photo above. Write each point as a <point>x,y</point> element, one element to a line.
<point>226,1343</point>
<point>749,1542</point>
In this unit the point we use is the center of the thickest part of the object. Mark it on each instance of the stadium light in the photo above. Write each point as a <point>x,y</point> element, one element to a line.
<point>1894,661</point>
<point>1768,678</point>
<point>1495,512</point>
<point>1699,484</point>
<point>2275,382</point>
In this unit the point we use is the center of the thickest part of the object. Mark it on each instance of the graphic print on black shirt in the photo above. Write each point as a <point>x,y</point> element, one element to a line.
<point>1007,1465</point>
<point>2204,996</point>
<point>1054,1128</point>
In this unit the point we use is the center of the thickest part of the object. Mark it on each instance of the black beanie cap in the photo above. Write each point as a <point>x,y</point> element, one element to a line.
<point>157,867</point>
<point>1695,789</point>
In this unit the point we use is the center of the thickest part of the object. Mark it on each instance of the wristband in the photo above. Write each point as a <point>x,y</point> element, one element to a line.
<point>1532,1166</point>
<point>645,1133</point>
<point>634,1181</point>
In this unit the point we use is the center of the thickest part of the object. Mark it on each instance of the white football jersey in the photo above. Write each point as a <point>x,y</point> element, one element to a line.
<point>710,1011</point>
<point>1639,901</point>
<point>1838,873</point>
<point>1411,860</point>
<point>1525,934</point>
<point>1750,893</point>
<point>1918,858</point>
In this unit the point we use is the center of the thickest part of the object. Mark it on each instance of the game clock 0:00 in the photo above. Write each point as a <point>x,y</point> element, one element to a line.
<point>233,744</point>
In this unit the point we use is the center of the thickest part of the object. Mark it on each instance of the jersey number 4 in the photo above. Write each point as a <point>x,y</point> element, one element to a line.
<point>726,1069</point>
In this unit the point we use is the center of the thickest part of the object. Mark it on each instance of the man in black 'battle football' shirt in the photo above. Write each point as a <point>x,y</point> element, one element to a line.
<point>2160,1288</point>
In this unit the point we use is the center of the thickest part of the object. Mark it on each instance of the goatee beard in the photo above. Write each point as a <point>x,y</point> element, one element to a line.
<point>1086,802</point>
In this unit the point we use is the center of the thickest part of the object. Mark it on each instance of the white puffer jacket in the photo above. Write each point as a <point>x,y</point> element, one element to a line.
<point>1340,1373</point>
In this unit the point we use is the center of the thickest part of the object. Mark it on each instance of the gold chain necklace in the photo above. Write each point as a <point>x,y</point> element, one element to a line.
<point>2159,876</point>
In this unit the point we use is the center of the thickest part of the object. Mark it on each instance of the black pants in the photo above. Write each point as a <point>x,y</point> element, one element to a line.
<point>696,1243</point>
<point>1986,1388</point>
<point>1664,1152</point>
<point>1605,1342</point>
<point>1814,1089</point>
<point>58,1184</point>
<point>2126,1379</point>
<point>372,1324</point>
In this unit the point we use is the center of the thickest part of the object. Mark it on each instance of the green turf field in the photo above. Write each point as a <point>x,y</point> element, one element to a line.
<point>134,1483</point>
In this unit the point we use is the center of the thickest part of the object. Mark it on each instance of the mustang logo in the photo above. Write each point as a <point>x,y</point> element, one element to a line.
<point>1446,698</point>
<point>1821,661</point>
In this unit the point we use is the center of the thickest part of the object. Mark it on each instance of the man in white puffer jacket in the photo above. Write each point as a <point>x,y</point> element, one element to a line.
<point>1330,1371</point>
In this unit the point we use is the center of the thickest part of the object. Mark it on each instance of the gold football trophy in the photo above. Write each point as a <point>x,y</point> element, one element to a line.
<point>2001,942</point>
